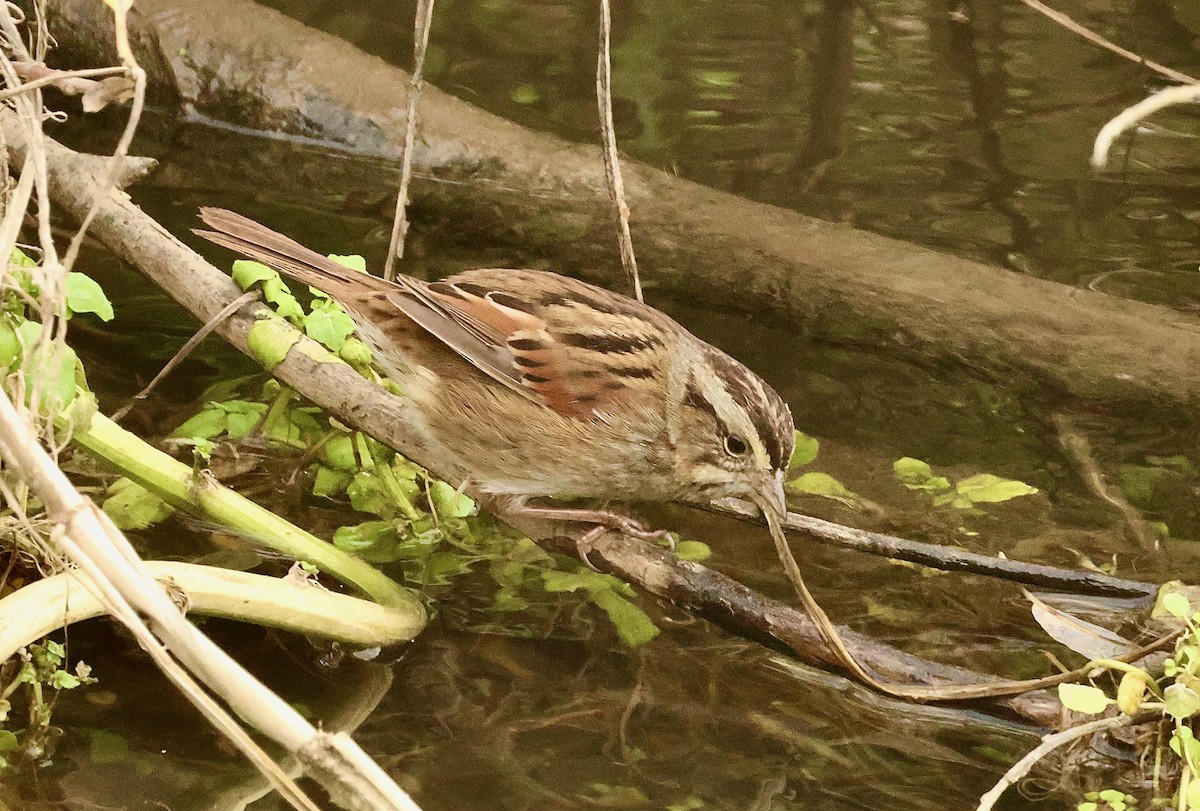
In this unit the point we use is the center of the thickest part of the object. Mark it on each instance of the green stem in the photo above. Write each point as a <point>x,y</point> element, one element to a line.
<point>274,413</point>
<point>388,476</point>
<point>1125,667</point>
<point>175,483</point>
<point>365,460</point>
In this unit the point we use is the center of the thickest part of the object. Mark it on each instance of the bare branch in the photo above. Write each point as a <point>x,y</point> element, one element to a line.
<point>186,350</point>
<point>1132,115</point>
<point>1092,36</point>
<point>1049,744</point>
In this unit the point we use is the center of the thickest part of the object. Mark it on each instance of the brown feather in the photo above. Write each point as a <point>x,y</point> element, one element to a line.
<point>520,327</point>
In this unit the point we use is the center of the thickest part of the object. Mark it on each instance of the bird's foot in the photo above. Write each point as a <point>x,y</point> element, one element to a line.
<point>604,521</point>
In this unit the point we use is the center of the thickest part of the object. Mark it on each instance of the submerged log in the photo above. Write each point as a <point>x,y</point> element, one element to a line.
<point>238,62</point>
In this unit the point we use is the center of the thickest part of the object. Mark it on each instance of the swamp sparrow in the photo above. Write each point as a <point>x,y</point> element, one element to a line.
<point>545,386</point>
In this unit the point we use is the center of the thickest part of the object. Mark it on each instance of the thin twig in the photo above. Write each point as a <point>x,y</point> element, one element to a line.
<point>421,23</point>
<point>122,151</point>
<point>51,279</point>
<point>1132,115</point>
<point>1077,445</point>
<point>1092,36</point>
<point>1049,744</point>
<point>951,692</point>
<point>612,162</point>
<point>58,76</point>
<point>186,350</point>
<point>946,558</point>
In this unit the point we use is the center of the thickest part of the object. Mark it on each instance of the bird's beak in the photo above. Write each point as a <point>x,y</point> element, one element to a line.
<point>771,497</point>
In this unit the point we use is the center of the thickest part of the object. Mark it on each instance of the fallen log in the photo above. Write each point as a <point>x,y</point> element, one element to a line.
<point>238,62</point>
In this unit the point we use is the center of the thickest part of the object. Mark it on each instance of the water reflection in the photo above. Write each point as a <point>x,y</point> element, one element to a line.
<point>962,125</point>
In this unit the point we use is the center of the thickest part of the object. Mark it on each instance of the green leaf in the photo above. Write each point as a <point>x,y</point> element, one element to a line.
<point>404,469</point>
<point>1138,483</point>
<point>555,581</point>
<point>954,500</point>
<point>328,324</point>
<point>304,426</point>
<point>339,453</point>
<point>822,484</point>
<point>584,580</point>
<point>269,341</point>
<point>247,273</point>
<point>912,471</point>
<point>84,295</point>
<point>55,373</point>
<point>1177,463</point>
<point>20,259</point>
<point>1083,698</point>
<point>525,94</point>
<point>10,344</point>
<point>374,541</point>
<point>8,741</point>
<point>63,680</point>
<point>19,266</point>
<point>986,488</point>
<point>133,507</point>
<point>632,624</point>
<point>441,567</point>
<point>917,475</point>
<point>209,422</point>
<point>356,353</point>
<point>1183,740</point>
<point>241,417</point>
<point>1176,604</point>
<point>448,502</point>
<point>352,261</point>
<point>276,292</point>
<point>1086,806</point>
<point>368,494</point>
<point>1193,795</point>
<point>1180,701</point>
<point>329,482</point>
<point>694,551</point>
<point>805,452</point>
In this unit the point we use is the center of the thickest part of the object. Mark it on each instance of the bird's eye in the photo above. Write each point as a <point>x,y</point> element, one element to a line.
<point>735,445</point>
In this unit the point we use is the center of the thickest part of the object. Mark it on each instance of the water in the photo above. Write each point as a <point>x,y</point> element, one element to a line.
<point>894,117</point>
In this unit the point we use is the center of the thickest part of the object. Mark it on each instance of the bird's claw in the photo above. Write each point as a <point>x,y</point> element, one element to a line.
<point>622,524</point>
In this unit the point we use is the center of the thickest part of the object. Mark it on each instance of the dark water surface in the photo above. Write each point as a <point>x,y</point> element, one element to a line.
<point>971,137</point>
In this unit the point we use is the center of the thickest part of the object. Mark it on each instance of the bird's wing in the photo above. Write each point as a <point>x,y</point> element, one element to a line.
<point>569,345</point>
<point>576,347</point>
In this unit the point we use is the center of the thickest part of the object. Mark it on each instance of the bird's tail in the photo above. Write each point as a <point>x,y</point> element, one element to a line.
<point>286,255</point>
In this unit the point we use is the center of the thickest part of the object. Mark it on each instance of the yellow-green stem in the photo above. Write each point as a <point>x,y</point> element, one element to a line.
<point>388,476</point>
<point>1126,667</point>
<point>175,483</point>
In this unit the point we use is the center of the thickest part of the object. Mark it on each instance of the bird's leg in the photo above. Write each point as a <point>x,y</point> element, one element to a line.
<point>604,520</point>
